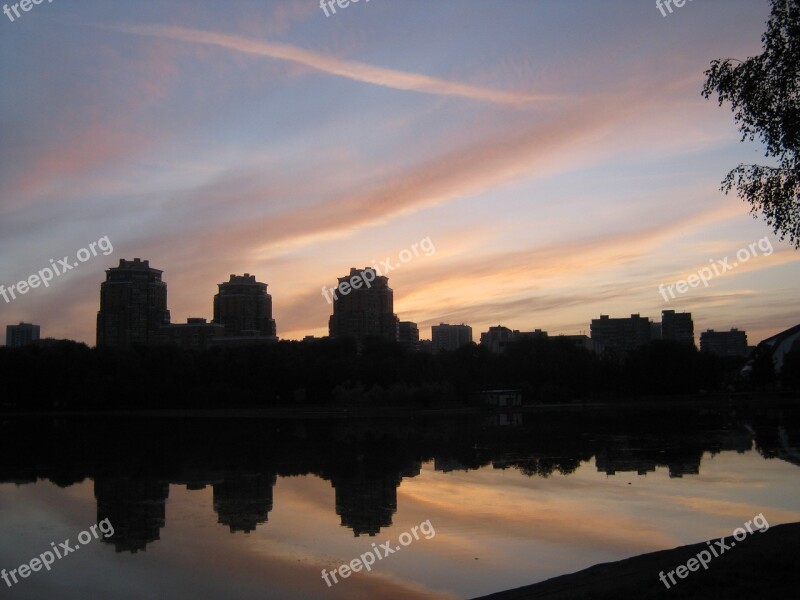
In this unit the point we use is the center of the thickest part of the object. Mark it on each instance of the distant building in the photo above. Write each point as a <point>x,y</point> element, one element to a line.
<point>621,335</point>
<point>408,335</point>
<point>724,343</point>
<point>678,327</point>
<point>497,339</point>
<point>364,311</point>
<point>195,334</point>
<point>446,338</point>
<point>244,308</point>
<point>655,331</point>
<point>133,305</point>
<point>584,341</point>
<point>529,335</point>
<point>20,335</point>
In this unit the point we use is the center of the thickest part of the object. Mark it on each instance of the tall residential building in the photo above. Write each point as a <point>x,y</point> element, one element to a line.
<point>724,343</point>
<point>621,335</point>
<point>445,338</point>
<point>20,335</point>
<point>408,335</point>
<point>366,310</point>
<point>677,326</point>
<point>133,305</point>
<point>244,307</point>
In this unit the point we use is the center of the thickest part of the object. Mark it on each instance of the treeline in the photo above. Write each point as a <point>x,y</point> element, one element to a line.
<point>337,372</point>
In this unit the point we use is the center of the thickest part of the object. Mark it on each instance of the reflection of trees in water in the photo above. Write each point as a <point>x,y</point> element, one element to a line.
<point>544,466</point>
<point>134,461</point>
<point>781,442</point>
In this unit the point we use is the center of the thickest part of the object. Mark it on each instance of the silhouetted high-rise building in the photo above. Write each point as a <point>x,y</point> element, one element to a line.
<point>621,335</point>
<point>724,343</point>
<point>244,307</point>
<point>445,338</point>
<point>20,335</point>
<point>408,335</point>
<point>677,326</point>
<point>366,310</point>
<point>133,305</point>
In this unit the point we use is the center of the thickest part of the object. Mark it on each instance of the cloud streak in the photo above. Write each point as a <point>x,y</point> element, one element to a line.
<point>357,71</point>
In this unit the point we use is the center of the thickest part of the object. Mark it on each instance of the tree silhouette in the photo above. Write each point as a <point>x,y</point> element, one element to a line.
<point>763,92</point>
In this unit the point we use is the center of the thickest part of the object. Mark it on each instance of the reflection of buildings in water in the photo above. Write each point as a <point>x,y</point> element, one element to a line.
<point>610,461</point>
<point>690,466</point>
<point>344,452</point>
<point>243,501</point>
<point>366,503</point>
<point>135,507</point>
<point>413,469</point>
<point>640,460</point>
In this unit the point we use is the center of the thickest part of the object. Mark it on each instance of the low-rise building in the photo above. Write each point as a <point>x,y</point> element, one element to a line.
<point>195,334</point>
<point>678,327</point>
<point>446,338</point>
<point>20,335</point>
<point>497,339</point>
<point>724,343</point>
<point>621,335</point>
<point>408,335</point>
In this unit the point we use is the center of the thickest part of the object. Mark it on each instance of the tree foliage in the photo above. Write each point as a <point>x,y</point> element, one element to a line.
<point>763,93</point>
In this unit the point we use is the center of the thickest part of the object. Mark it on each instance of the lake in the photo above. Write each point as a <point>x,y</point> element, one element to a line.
<point>470,505</point>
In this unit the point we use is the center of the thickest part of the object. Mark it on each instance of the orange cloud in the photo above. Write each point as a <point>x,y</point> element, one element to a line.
<point>357,71</point>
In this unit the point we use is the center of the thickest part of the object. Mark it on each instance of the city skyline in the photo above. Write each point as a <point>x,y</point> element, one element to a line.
<point>362,310</point>
<point>276,141</point>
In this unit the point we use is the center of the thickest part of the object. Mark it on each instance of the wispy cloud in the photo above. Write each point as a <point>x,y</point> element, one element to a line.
<point>358,71</point>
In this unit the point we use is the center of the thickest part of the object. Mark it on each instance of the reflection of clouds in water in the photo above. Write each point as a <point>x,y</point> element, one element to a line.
<point>175,491</point>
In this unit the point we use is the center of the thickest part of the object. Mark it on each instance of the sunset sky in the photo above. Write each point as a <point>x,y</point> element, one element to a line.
<point>557,153</point>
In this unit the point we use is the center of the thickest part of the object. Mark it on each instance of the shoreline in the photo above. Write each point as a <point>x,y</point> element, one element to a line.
<point>763,565</point>
<point>699,401</point>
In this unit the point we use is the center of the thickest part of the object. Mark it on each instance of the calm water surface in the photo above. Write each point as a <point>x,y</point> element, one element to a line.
<point>256,509</point>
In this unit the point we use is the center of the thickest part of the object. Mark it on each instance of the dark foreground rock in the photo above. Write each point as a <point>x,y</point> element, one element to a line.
<point>764,565</point>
